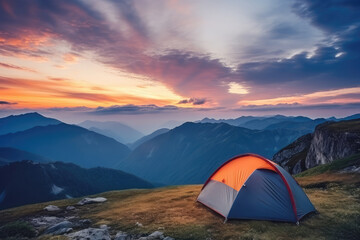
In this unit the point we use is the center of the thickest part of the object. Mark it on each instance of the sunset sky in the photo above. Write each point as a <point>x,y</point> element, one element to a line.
<point>179,60</point>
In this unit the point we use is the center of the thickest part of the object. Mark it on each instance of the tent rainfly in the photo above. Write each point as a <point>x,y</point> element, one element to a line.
<point>252,187</point>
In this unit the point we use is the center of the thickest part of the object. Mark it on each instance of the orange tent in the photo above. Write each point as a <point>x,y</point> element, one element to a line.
<point>252,187</point>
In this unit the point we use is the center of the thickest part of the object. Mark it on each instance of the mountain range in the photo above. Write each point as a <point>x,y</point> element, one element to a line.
<point>186,154</point>
<point>68,143</point>
<point>189,153</point>
<point>28,182</point>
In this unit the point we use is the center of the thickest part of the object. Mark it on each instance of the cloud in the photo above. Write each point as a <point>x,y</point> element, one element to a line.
<point>193,101</point>
<point>134,109</point>
<point>118,34</point>
<point>297,106</point>
<point>12,66</point>
<point>70,57</point>
<point>6,103</point>
<point>332,65</point>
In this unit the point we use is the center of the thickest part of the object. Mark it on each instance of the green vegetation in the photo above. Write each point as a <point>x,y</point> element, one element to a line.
<point>349,125</point>
<point>15,230</point>
<point>332,167</point>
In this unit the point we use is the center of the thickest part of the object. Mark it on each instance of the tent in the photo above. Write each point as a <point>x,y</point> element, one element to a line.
<point>252,187</point>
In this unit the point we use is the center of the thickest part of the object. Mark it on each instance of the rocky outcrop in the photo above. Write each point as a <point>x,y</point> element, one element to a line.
<point>292,157</point>
<point>330,141</point>
<point>333,141</point>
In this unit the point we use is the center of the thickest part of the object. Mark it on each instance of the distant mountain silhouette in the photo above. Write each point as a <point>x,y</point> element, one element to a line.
<point>191,152</point>
<point>16,123</point>
<point>147,138</point>
<point>9,155</point>
<point>27,182</point>
<point>304,127</point>
<point>119,131</point>
<point>68,143</point>
<point>235,122</point>
<point>265,122</point>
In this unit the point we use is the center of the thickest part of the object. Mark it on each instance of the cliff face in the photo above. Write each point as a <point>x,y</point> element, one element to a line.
<point>292,157</point>
<point>330,141</point>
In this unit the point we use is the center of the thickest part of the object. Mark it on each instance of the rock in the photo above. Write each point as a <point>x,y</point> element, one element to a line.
<point>90,234</point>
<point>52,208</point>
<point>122,236</point>
<point>156,235</point>
<point>169,238</point>
<point>139,224</point>
<point>85,221</point>
<point>62,231</point>
<point>91,200</point>
<point>45,221</point>
<point>70,208</point>
<point>104,226</point>
<point>292,157</point>
<point>330,141</point>
<point>333,141</point>
<point>59,228</point>
<point>351,169</point>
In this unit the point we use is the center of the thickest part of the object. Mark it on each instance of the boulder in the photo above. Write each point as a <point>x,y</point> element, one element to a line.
<point>70,208</point>
<point>45,221</point>
<point>59,228</point>
<point>52,208</point>
<point>169,238</point>
<point>90,234</point>
<point>91,200</point>
<point>156,235</point>
<point>122,236</point>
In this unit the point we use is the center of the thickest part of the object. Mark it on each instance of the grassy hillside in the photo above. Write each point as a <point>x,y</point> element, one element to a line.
<point>337,165</point>
<point>175,210</point>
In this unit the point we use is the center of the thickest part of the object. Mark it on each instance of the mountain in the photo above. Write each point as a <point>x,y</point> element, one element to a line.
<point>265,122</point>
<point>119,131</point>
<point>16,123</point>
<point>8,155</point>
<point>235,122</point>
<point>68,143</point>
<point>330,141</point>
<point>191,152</point>
<point>304,127</point>
<point>352,117</point>
<point>147,138</point>
<point>27,182</point>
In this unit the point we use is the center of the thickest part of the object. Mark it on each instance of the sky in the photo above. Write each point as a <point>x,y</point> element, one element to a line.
<point>151,62</point>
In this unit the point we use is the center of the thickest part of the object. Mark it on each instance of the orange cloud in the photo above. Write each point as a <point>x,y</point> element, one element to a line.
<point>70,58</point>
<point>65,93</point>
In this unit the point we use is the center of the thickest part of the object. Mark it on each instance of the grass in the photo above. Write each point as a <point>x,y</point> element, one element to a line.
<point>16,230</point>
<point>174,210</point>
<point>336,165</point>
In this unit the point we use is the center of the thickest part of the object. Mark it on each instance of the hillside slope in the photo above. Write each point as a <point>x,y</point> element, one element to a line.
<point>148,137</point>
<point>330,141</point>
<point>119,131</point>
<point>174,211</point>
<point>189,153</point>
<point>27,182</point>
<point>9,155</point>
<point>16,123</point>
<point>68,143</point>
